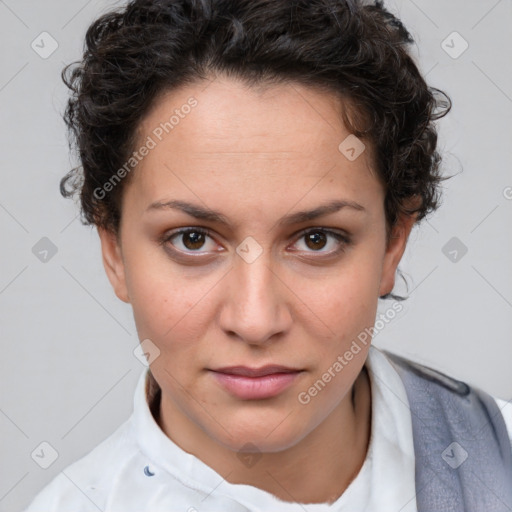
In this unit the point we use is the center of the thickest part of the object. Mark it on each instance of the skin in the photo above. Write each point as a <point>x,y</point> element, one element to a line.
<point>255,155</point>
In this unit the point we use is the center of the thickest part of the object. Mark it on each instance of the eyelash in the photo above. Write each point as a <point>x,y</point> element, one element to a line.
<point>343,240</point>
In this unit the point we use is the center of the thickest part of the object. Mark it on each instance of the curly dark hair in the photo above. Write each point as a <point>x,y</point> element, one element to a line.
<point>354,48</point>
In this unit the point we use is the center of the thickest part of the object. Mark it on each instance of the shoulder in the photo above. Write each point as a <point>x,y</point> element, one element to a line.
<point>83,485</point>
<point>449,383</point>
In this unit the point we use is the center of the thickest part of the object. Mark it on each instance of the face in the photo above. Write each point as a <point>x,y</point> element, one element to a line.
<point>258,282</point>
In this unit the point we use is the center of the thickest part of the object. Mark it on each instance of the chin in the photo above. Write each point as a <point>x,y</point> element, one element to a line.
<point>267,437</point>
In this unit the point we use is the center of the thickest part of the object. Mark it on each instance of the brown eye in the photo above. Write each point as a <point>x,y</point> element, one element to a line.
<point>193,240</point>
<point>189,240</point>
<point>316,240</point>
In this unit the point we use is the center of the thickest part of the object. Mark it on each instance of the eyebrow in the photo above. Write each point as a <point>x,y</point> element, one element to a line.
<point>207,214</point>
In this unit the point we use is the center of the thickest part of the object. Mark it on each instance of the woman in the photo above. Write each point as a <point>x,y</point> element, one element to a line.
<point>254,169</point>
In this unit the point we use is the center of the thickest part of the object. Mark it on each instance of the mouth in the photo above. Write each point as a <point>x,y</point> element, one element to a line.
<point>248,383</point>
<point>246,371</point>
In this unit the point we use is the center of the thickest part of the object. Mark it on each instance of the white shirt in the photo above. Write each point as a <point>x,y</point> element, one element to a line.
<point>139,469</point>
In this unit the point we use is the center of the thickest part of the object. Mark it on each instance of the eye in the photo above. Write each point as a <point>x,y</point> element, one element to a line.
<point>317,239</point>
<point>198,240</point>
<point>190,240</point>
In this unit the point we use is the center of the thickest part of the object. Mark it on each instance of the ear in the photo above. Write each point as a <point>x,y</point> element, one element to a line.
<point>395,250</point>
<point>113,263</point>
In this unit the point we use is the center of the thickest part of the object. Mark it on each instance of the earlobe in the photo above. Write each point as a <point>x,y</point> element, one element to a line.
<point>113,263</point>
<point>394,251</point>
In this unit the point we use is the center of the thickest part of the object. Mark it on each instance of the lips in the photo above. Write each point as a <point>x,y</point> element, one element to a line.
<point>248,383</point>
<point>246,371</point>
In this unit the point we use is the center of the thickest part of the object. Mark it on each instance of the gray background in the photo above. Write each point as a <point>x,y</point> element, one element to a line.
<point>67,364</point>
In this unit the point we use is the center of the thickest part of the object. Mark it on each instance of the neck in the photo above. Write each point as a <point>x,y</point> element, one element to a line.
<point>336,448</point>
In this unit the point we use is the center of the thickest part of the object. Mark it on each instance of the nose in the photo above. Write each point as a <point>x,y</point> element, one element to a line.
<point>255,307</point>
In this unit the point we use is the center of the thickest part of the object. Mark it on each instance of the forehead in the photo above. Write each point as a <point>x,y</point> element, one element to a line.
<point>223,135</point>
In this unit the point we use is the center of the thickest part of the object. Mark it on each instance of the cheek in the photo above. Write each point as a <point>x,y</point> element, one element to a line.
<point>165,313</point>
<point>159,298</point>
<point>169,309</point>
<point>345,301</point>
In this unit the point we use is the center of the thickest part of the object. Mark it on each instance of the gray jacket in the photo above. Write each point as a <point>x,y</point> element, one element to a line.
<point>462,450</point>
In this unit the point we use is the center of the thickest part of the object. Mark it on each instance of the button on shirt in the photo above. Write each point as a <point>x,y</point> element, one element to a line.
<point>139,469</point>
